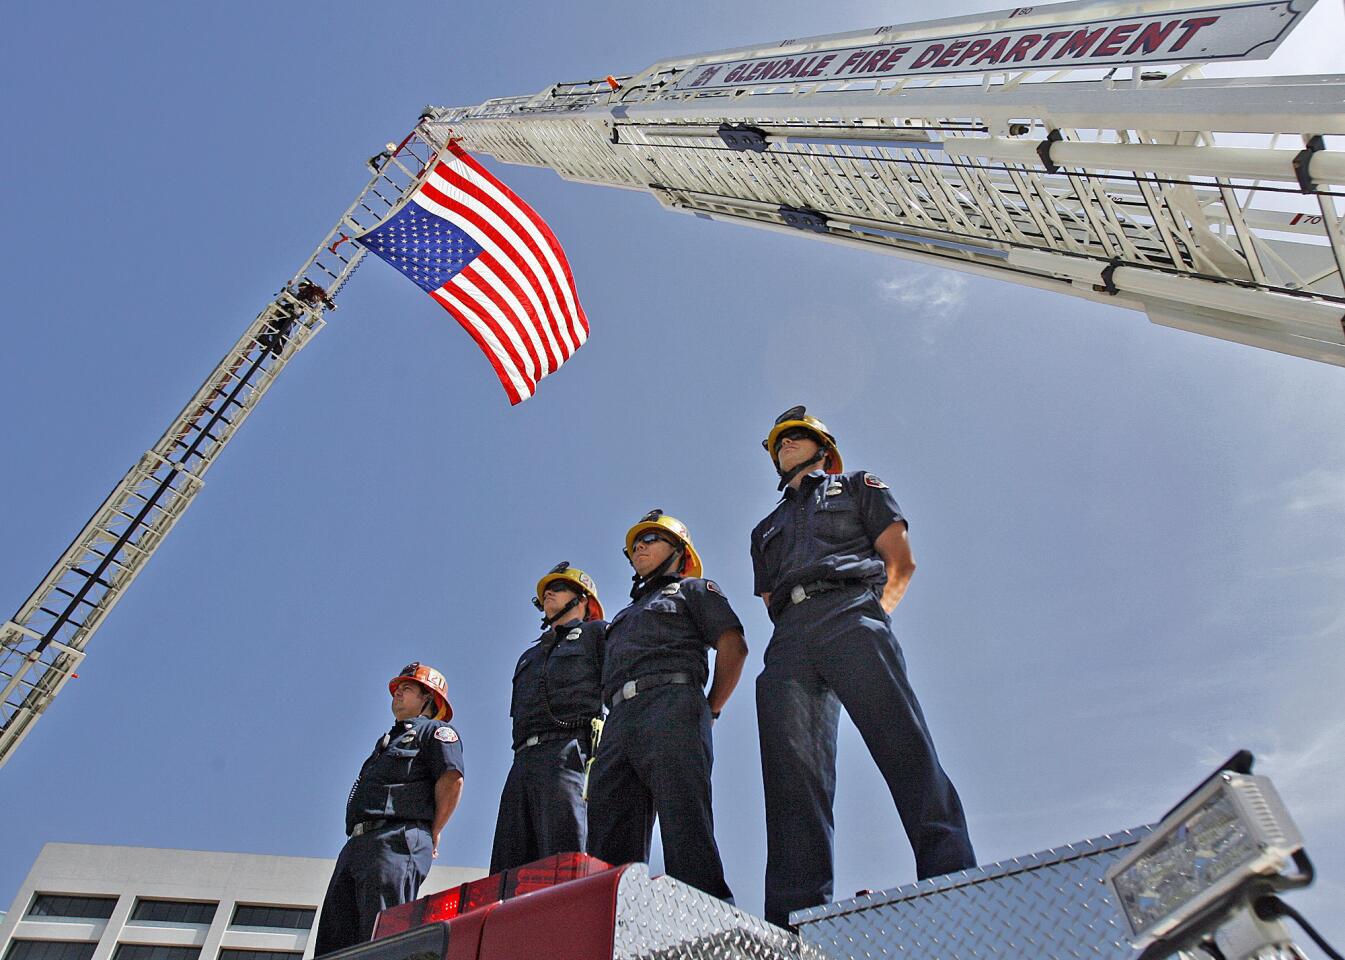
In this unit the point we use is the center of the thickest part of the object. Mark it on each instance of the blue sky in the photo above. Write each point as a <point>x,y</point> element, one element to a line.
<point>1129,538</point>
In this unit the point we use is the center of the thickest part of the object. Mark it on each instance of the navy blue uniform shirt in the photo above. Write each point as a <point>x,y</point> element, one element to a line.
<point>667,630</point>
<point>558,681</point>
<point>397,781</point>
<point>824,530</point>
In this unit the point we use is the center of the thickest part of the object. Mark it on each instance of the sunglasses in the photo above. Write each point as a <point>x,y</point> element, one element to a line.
<point>649,536</point>
<point>794,433</point>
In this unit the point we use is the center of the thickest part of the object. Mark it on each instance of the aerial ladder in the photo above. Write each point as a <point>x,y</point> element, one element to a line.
<point>1074,147</point>
<point>42,645</point>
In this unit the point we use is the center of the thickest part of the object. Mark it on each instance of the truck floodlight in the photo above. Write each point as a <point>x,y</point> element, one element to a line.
<point>1211,857</point>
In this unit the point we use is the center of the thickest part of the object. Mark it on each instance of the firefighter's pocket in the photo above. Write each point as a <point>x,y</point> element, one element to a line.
<point>838,520</point>
<point>570,666</point>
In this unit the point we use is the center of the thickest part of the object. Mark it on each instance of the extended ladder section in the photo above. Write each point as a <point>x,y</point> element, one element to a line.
<point>1074,147</point>
<point>42,645</point>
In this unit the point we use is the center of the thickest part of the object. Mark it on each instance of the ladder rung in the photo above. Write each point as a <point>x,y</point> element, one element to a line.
<point>88,576</point>
<point>73,597</point>
<point>68,620</point>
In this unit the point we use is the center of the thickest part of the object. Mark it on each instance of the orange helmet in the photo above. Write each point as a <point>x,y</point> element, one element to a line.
<point>432,681</point>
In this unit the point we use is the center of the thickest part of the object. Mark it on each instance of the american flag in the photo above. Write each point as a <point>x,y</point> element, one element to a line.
<point>493,263</point>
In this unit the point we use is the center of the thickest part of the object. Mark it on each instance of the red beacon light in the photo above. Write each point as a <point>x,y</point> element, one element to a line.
<point>475,894</point>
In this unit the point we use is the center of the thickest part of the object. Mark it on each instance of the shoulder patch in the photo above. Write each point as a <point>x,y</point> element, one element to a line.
<point>873,481</point>
<point>446,733</point>
<point>713,587</point>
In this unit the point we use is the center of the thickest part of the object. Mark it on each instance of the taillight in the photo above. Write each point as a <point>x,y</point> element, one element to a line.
<point>551,871</point>
<point>456,901</point>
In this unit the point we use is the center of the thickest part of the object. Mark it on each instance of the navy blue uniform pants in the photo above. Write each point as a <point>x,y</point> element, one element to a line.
<point>832,650</point>
<point>542,807</point>
<point>655,761</point>
<point>375,870</point>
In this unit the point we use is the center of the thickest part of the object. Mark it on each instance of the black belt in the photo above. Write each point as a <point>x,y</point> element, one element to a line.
<point>367,826</point>
<point>632,688</point>
<point>578,733</point>
<point>800,592</point>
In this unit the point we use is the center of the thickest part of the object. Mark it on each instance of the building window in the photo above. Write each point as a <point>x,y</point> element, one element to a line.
<point>174,911</point>
<point>79,908</point>
<point>144,951</point>
<point>277,918</point>
<point>232,953</point>
<point>49,950</point>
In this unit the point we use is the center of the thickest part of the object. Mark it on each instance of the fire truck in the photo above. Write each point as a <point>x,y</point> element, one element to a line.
<point>1204,880</point>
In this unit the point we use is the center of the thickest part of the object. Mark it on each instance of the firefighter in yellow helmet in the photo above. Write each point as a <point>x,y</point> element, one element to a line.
<point>405,793</point>
<point>557,694</point>
<point>831,562</point>
<point>656,753</point>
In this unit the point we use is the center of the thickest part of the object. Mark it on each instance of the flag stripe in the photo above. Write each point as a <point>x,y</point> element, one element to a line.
<point>473,291</point>
<point>510,297</point>
<point>534,234</point>
<point>498,248</point>
<point>492,343</point>
<point>483,329</point>
<point>494,232</point>
<point>492,287</point>
<point>538,227</point>
<point>478,183</point>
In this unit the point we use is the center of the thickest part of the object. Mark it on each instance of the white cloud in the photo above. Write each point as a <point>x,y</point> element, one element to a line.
<point>941,293</point>
<point>1321,489</point>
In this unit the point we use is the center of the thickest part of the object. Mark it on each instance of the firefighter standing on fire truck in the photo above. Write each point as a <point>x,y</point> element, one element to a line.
<point>405,793</point>
<point>557,695</point>
<point>656,753</point>
<point>831,562</point>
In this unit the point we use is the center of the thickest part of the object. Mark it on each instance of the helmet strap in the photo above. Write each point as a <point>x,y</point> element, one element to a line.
<point>787,476</point>
<point>548,622</point>
<point>640,584</point>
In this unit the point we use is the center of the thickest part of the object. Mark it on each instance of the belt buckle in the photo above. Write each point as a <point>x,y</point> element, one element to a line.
<point>797,593</point>
<point>628,690</point>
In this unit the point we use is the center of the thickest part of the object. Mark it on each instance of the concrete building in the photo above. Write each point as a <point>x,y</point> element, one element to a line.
<point>94,902</point>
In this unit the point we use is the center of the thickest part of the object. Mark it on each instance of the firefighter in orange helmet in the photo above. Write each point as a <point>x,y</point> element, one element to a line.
<point>557,695</point>
<point>405,793</point>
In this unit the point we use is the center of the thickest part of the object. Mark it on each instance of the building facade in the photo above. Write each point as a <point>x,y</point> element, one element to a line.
<point>94,902</point>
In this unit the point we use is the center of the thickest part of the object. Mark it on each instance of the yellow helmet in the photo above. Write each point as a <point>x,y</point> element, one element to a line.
<point>660,522</point>
<point>576,578</point>
<point>798,417</point>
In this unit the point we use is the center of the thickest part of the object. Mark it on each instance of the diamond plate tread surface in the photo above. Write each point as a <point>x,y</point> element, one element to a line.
<point>662,919</point>
<point>1044,906</point>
